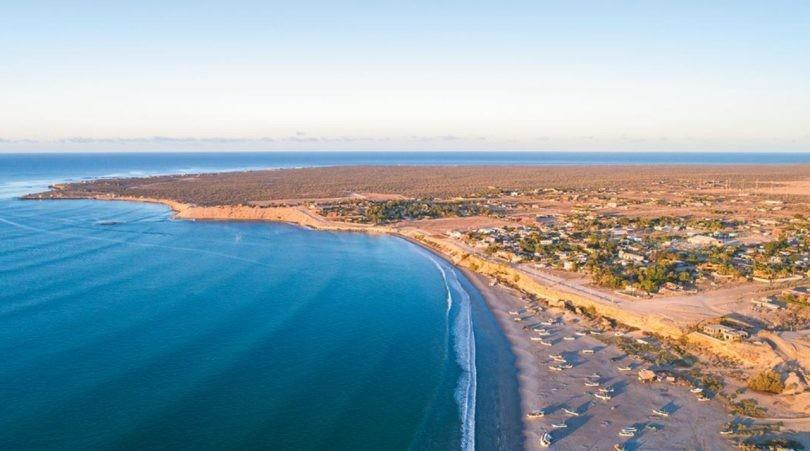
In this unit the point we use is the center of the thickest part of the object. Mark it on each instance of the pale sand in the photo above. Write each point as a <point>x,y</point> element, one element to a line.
<point>691,425</point>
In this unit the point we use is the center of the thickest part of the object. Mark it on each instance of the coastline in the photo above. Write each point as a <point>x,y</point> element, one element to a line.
<point>536,387</point>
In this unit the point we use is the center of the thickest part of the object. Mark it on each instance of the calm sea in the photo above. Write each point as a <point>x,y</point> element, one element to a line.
<point>121,328</point>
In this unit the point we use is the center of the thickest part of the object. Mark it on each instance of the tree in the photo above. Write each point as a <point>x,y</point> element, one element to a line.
<point>767,381</point>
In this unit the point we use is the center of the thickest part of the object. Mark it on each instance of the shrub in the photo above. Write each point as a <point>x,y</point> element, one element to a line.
<point>768,381</point>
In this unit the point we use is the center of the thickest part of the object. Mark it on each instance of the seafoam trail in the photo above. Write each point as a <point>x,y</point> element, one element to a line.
<point>464,346</point>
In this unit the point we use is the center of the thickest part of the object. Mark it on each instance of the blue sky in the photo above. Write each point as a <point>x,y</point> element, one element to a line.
<point>533,75</point>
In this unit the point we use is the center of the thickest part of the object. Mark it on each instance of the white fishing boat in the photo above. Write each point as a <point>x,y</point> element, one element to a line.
<point>545,440</point>
<point>546,343</point>
<point>569,338</point>
<point>536,338</point>
<point>571,412</point>
<point>592,384</point>
<point>696,390</point>
<point>587,351</point>
<point>559,425</point>
<point>626,434</point>
<point>602,396</point>
<point>660,413</point>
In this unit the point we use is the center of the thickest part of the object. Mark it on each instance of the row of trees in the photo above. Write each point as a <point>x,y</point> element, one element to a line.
<point>398,210</point>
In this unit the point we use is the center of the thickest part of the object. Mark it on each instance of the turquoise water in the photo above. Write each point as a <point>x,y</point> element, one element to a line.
<point>121,328</point>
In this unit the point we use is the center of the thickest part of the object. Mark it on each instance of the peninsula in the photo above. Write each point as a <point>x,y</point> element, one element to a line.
<point>636,298</point>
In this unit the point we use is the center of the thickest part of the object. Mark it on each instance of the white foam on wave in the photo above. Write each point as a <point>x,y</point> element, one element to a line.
<point>449,299</point>
<point>464,347</point>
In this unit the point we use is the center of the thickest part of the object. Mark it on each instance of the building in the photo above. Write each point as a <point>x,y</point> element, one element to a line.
<point>724,332</point>
<point>767,303</point>
<point>704,240</point>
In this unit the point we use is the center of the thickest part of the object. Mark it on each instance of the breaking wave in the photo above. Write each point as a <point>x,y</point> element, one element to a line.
<point>464,347</point>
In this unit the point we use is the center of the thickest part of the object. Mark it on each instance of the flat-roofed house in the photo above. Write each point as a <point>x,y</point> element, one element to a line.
<point>724,332</point>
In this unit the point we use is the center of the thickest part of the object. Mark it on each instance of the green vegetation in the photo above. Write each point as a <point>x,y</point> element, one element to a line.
<point>398,210</point>
<point>747,407</point>
<point>768,381</point>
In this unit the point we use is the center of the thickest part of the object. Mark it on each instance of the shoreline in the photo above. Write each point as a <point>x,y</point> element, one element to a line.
<point>532,379</point>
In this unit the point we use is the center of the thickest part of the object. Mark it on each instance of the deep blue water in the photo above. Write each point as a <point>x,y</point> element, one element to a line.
<point>121,328</point>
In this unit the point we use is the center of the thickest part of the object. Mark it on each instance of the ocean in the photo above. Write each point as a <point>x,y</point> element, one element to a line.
<point>121,328</point>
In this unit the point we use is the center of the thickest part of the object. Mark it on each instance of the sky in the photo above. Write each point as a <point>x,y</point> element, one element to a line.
<point>405,75</point>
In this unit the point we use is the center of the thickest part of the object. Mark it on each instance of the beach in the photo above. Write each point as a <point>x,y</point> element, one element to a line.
<point>690,424</point>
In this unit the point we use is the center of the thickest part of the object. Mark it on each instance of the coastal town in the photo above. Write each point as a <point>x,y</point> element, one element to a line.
<point>678,292</point>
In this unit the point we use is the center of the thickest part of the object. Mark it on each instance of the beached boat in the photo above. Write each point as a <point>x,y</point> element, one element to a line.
<point>546,343</point>
<point>602,396</point>
<point>536,338</point>
<point>571,412</point>
<point>660,413</point>
<point>696,390</point>
<point>702,397</point>
<point>557,357</point>
<point>587,351</point>
<point>546,440</point>
<point>618,447</point>
<point>624,433</point>
<point>606,390</point>
<point>580,333</point>
<point>566,366</point>
<point>554,368</point>
<point>569,338</point>
<point>559,425</point>
<point>624,368</point>
<point>592,384</point>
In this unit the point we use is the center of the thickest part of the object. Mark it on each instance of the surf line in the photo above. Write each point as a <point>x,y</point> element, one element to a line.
<point>464,346</point>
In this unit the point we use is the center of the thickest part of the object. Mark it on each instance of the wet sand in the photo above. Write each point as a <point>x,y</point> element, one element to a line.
<point>690,425</point>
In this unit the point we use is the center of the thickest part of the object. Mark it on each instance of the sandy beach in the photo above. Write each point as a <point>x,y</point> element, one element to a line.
<point>690,424</point>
